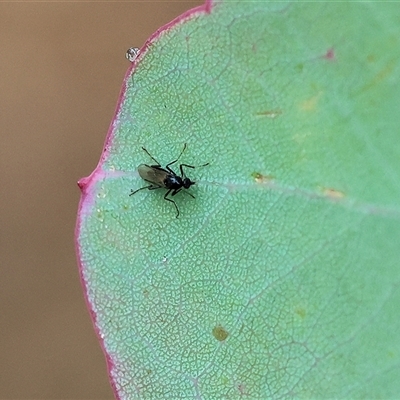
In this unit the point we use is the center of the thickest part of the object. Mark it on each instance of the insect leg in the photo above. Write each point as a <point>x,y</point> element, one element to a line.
<point>175,191</point>
<point>173,162</point>
<point>172,201</point>
<point>190,166</point>
<point>178,190</point>
<point>150,187</point>
<point>158,164</point>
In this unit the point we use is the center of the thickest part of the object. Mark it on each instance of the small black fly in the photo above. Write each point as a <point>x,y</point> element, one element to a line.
<point>165,178</point>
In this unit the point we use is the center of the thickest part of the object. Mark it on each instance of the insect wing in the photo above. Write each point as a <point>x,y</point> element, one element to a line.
<point>152,174</point>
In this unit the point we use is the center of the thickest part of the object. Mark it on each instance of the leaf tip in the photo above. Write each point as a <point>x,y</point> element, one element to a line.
<point>83,183</point>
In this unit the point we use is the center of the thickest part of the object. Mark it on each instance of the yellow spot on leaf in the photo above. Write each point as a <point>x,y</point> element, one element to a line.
<point>301,312</point>
<point>301,137</point>
<point>379,77</point>
<point>332,193</point>
<point>260,178</point>
<point>385,72</point>
<point>311,103</point>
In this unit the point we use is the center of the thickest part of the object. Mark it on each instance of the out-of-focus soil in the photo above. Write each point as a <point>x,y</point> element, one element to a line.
<point>61,70</point>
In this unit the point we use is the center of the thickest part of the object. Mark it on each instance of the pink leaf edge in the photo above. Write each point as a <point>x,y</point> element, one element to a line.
<point>86,183</point>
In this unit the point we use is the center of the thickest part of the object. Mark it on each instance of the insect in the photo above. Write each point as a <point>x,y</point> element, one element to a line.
<point>166,178</point>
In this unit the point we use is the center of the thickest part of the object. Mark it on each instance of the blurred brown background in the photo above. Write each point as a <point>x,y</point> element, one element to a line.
<point>61,70</point>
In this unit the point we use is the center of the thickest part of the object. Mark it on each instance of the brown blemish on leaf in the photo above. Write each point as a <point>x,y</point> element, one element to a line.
<point>330,54</point>
<point>269,113</point>
<point>260,178</point>
<point>220,333</point>
<point>242,389</point>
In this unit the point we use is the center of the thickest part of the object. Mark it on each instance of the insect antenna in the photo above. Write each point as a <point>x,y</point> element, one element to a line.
<point>190,166</point>
<point>158,164</point>
<point>173,162</point>
<point>150,187</point>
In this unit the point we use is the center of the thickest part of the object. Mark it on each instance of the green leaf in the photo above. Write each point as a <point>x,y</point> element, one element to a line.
<point>281,279</point>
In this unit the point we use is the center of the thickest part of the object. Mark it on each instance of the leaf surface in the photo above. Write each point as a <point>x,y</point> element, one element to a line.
<point>281,279</point>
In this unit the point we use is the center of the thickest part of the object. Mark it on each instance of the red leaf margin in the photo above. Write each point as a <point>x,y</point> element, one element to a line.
<point>85,183</point>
